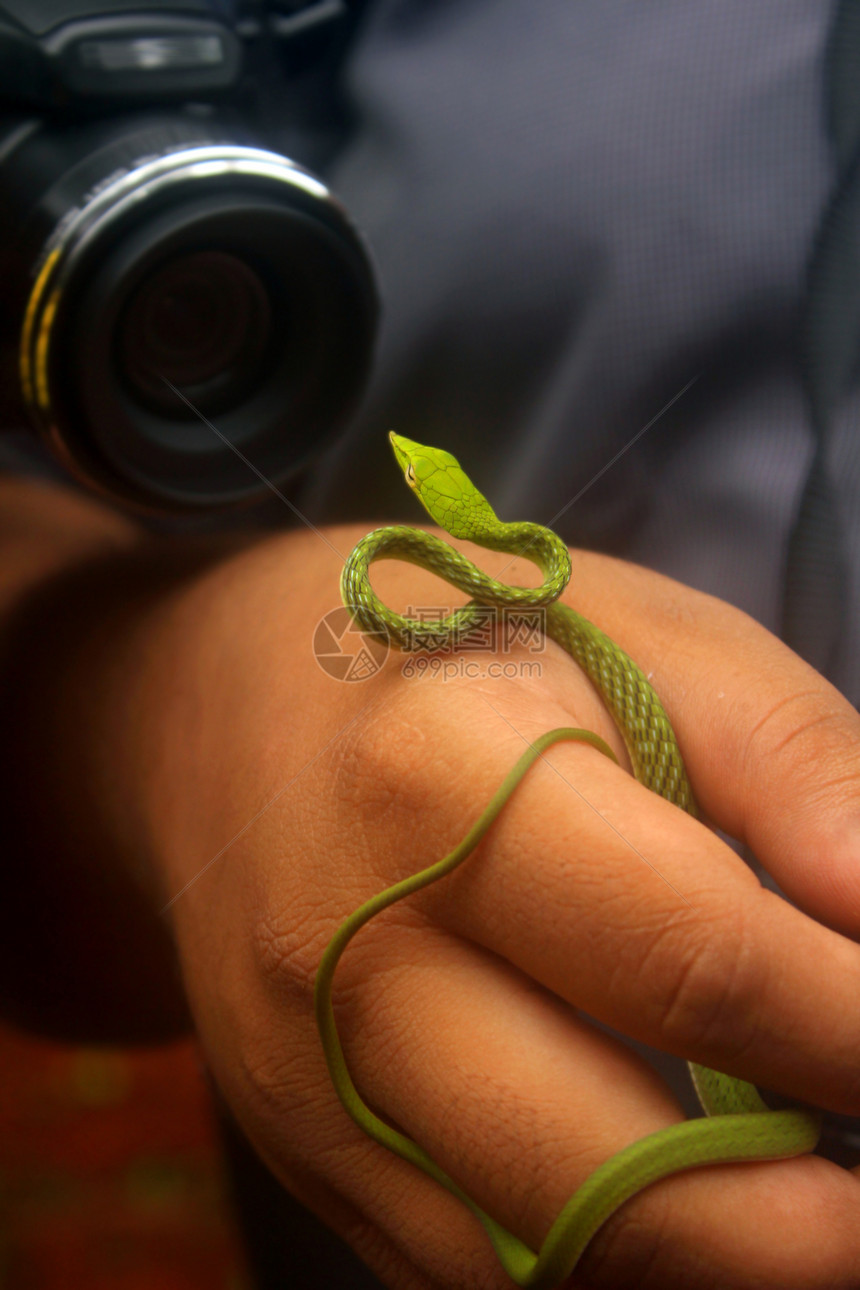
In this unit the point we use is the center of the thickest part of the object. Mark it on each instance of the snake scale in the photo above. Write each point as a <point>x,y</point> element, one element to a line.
<point>738,1124</point>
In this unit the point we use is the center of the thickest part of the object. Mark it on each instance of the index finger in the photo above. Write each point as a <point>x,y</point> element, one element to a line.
<point>772,748</point>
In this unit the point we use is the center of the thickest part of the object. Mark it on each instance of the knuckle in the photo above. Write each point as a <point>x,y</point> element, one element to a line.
<point>637,1246</point>
<point>803,728</point>
<point>285,956</point>
<point>369,768</point>
<point>379,766</point>
<point>711,1006</point>
<point>390,769</point>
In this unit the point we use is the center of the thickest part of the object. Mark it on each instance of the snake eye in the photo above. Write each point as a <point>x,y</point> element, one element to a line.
<point>410,474</point>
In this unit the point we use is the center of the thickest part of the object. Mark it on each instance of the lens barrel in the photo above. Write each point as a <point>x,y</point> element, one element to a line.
<point>198,316</point>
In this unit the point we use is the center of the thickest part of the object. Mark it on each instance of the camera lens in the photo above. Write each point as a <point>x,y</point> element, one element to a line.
<point>202,322</point>
<point>199,316</point>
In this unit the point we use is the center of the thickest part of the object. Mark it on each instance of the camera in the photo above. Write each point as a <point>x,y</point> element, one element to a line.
<point>188,315</point>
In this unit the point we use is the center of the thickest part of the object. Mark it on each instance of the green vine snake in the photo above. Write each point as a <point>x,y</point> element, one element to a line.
<point>738,1124</point>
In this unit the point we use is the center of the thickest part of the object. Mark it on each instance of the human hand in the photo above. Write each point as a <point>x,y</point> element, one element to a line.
<point>456,1010</point>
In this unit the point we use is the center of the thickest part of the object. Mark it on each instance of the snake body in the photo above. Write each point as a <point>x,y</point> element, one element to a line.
<point>739,1126</point>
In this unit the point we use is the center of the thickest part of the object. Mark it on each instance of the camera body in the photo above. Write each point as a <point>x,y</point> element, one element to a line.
<point>187,314</point>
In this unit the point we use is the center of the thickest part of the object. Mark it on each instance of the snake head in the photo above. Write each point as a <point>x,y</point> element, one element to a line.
<point>444,489</point>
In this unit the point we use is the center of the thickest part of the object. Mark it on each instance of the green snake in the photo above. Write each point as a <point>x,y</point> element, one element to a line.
<point>739,1125</point>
